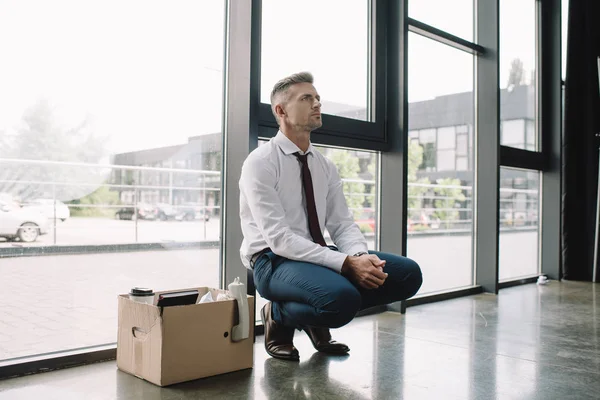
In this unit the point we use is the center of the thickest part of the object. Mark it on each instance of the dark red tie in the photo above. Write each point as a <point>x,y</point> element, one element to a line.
<point>311,209</point>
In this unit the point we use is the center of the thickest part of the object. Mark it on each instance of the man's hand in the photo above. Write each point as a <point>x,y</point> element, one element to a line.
<point>366,270</point>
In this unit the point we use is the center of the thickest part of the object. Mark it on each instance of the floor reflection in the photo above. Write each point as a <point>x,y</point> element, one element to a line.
<point>310,379</point>
<point>529,342</point>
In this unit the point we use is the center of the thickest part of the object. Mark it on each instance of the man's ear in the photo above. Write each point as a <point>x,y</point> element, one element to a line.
<point>279,110</point>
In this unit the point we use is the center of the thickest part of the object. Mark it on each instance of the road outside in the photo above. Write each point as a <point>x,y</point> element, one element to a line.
<point>61,302</point>
<point>93,231</point>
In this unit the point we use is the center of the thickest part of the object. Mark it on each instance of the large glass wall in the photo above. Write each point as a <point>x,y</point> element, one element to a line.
<point>110,141</point>
<point>335,50</point>
<point>440,163</point>
<point>518,76</point>
<point>520,194</point>
<point>111,144</point>
<point>518,252</point>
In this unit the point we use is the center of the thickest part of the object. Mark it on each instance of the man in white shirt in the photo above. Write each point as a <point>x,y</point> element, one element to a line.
<point>289,193</point>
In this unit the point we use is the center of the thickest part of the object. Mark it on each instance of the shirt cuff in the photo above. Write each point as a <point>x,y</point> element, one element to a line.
<point>334,260</point>
<point>357,249</point>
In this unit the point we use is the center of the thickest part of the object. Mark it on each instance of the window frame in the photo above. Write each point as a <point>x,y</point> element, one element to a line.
<point>342,131</point>
<point>524,158</point>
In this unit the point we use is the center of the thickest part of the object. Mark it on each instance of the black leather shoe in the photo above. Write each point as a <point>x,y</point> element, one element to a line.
<point>321,340</point>
<point>278,338</point>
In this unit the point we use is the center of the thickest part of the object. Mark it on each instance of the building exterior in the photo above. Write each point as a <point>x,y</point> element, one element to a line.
<point>442,127</point>
<point>181,174</point>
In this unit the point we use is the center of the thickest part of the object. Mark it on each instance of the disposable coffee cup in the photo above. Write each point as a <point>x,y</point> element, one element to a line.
<point>142,295</point>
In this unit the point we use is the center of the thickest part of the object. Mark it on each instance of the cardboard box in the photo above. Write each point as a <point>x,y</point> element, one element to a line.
<point>181,343</point>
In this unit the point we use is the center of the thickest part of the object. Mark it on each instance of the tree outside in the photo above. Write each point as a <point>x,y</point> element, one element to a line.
<point>102,196</point>
<point>416,190</point>
<point>42,136</point>
<point>370,199</point>
<point>348,168</point>
<point>516,76</point>
<point>449,194</point>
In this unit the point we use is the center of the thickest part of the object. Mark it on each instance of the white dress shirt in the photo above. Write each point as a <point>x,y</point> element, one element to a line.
<point>273,206</point>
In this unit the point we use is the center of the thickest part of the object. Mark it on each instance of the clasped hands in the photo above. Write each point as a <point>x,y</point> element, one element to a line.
<point>365,270</point>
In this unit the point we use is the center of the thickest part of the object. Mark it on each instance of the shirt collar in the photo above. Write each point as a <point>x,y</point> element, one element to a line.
<point>287,146</point>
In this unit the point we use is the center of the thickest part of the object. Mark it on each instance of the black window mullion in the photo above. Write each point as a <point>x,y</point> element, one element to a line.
<point>519,158</point>
<point>339,131</point>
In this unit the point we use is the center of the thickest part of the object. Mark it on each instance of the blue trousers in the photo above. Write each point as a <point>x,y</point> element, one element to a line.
<point>305,294</point>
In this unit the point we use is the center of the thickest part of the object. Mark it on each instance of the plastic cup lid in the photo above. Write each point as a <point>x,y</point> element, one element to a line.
<point>137,291</point>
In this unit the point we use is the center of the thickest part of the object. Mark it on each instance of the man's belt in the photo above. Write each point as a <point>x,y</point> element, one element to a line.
<point>256,256</point>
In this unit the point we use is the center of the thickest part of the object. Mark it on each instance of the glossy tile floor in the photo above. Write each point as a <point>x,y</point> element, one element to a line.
<point>529,342</point>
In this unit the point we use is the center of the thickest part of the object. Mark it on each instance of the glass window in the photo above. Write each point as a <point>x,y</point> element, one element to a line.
<point>427,135</point>
<point>445,160</point>
<point>439,200</point>
<point>358,171</point>
<point>519,223</point>
<point>512,133</point>
<point>518,65</point>
<point>462,144</point>
<point>564,28</point>
<point>334,49</point>
<point>530,135</point>
<point>446,138</point>
<point>462,163</point>
<point>428,159</point>
<point>101,112</point>
<point>455,17</point>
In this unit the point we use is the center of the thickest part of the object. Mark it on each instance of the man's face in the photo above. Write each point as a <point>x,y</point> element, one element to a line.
<point>302,111</point>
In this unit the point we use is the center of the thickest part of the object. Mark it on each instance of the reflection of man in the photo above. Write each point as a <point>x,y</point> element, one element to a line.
<point>289,193</point>
<point>299,381</point>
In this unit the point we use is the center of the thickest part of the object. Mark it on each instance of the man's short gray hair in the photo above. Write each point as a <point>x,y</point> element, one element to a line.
<point>279,92</point>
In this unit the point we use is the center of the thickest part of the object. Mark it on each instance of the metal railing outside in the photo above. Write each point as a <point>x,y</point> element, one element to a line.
<point>103,192</point>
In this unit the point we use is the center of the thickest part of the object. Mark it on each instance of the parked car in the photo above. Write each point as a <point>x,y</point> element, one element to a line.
<point>166,212</point>
<point>47,206</point>
<point>144,211</point>
<point>8,198</point>
<point>192,211</point>
<point>203,213</point>
<point>21,223</point>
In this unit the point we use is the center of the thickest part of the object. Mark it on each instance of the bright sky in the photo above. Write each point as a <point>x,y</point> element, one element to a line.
<point>149,72</point>
<point>565,18</point>
<point>312,35</point>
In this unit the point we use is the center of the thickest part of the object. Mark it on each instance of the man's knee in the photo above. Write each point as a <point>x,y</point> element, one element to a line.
<point>344,303</point>
<point>414,277</point>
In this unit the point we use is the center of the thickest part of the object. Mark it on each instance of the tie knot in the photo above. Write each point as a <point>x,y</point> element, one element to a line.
<point>301,158</point>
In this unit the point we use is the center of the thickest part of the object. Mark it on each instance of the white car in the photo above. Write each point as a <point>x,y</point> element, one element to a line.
<point>46,207</point>
<point>21,223</point>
